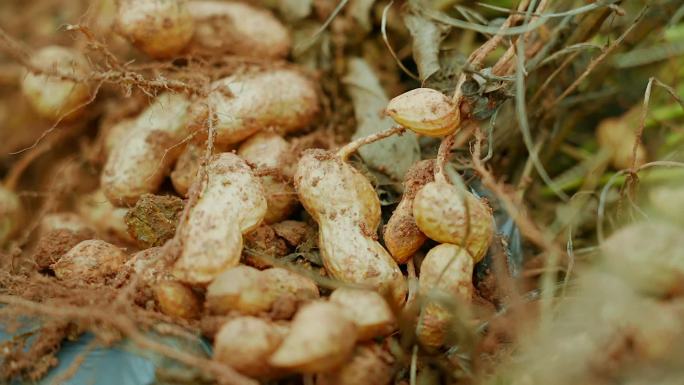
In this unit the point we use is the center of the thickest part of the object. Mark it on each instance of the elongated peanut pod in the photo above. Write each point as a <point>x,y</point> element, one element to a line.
<point>237,28</point>
<point>91,261</point>
<point>345,206</point>
<point>242,108</point>
<point>369,311</point>
<point>231,202</point>
<point>448,270</point>
<point>52,95</point>
<point>269,151</point>
<point>246,343</point>
<point>160,28</point>
<point>321,338</point>
<point>425,111</point>
<point>448,214</point>
<point>10,214</point>
<point>402,236</point>
<point>139,162</point>
<point>369,364</point>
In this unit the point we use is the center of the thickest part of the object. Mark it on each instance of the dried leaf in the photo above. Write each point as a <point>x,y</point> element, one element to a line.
<point>427,36</point>
<point>394,155</point>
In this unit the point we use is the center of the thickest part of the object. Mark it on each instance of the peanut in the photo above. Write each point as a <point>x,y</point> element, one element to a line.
<point>63,221</point>
<point>425,111</point>
<point>270,151</point>
<point>59,233</point>
<point>345,206</point>
<point>250,291</point>
<point>140,161</point>
<point>91,261</point>
<point>370,364</point>
<point>241,108</point>
<point>618,135</point>
<point>231,203</point>
<point>402,236</point>
<point>321,338</point>
<point>161,29</point>
<point>186,168</point>
<point>55,93</point>
<point>237,28</point>
<point>447,269</point>
<point>149,265</point>
<point>245,344</point>
<point>108,220</point>
<point>448,214</point>
<point>10,215</point>
<point>369,311</point>
<point>177,300</point>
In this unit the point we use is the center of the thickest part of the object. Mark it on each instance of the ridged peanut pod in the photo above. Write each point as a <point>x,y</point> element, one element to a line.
<point>246,343</point>
<point>345,206</point>
<point>139,162</point>
<point>425,111</point>
<point>231,202</point>
<point>49,94</point>
<point>448,214</point>
<point>10,214</point>
<point>369,311</point>
<point>321,338</point>
<point>447,269</point>
<point>91,261</point>
<point>160,28</point>
<point>370,365</point>
<point>241,108</point>
<point>176,299</point>
<point>250,291</point>
<point>270,152</point>
<point>402,236</point>
<point>237,28</point>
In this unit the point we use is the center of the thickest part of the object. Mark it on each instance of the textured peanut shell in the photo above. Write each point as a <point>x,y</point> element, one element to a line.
<point>448,214</point>
<point>237,28</point>
<point>10,214</point>
<point>177,300</point>
<point>321,338</point>
<point>402,236</point>
<point>242,108</point>
<point>345,206</point>
<point>150,265</point>
<point>51,96</point>
<point>369,365</point>
<point>425,111</point>
<point>161,29</point>
<point>108,220</point>
<point>185,170</point>
<point>231,202</point>
<point>369,311</point>
<point>116,132</point>
<point>139,162</point>
<point>268,150</point>
<point>447,269</point>
<point>245,344</point>
<point>250,291</point>
<point>91,261</point>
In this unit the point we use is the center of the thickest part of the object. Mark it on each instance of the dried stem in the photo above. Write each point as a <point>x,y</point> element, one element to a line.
<point>351,147</point>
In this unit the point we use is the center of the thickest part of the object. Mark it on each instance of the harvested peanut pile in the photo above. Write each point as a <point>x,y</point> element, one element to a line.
<point>342,192</point>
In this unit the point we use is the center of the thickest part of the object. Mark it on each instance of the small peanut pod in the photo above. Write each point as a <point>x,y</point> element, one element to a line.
<point>242,108</point>
<point>369,311</point>
<point>10,215</point>
<point>185,170</point>
<point>237,28</point>
<point>91,261</point>
<point>177,300</point>
<point>246,343</point>
<point>618,135</point>
<point>369,364</point>
<point>448,214</point>
<point>108,221</point>
<point>446,270</point>
<point>57,93</point>
<point>402,236</point>
<point>270,152</point>
<point>250,291</point>
<point>345,206</point>
<point>140,161</point>
<point>231,203</point>
<point>160,28</point>
<point>150,266</point>
<point>63,221</point>
<point>425,111</point>
<point>321,338</point>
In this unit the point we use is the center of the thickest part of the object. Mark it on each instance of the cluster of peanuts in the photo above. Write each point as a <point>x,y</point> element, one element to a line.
<point>276,321</point>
